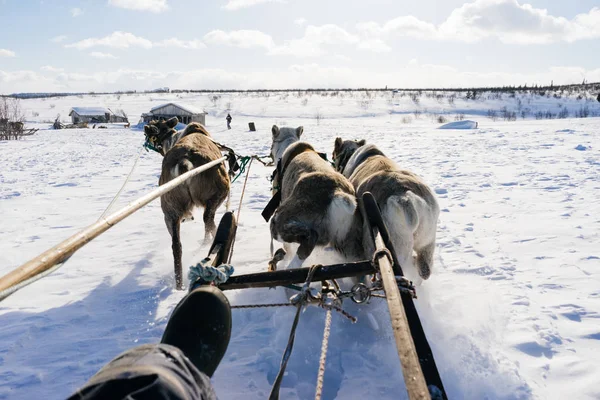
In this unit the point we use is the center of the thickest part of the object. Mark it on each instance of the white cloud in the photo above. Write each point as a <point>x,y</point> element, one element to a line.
<point>155,6</point>
<point>375,45</point>
<point>7,53</point>
<point>317,37</point>
<point>183,44</point>
<point>124,40</point>
<point>25,81</point>
<point>244,39</point>
<point>50,68</point>
<point>300,21</point>
<point>403,26</point>
<point>233,5</point>
<point>507,20</point>
<point>76,12</point>
<point>118,40</point>
<point>512,22</point>
<point>98,54</point>
<point>58,39</point>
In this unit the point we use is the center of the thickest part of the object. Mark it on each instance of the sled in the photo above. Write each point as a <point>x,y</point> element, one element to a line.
<point>420,372</point>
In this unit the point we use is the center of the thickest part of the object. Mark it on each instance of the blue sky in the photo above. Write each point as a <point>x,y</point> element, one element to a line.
<point>85,45</point>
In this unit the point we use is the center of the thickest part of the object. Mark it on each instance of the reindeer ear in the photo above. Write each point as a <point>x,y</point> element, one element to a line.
<point>361,142</point>
<point>172,122</point>
<point>299,131</point>
<point>150,129</point>
<point>275,131</point>
<point>337,144</point>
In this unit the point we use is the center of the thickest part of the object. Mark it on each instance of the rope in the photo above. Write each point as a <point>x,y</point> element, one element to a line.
<point>240,206</point>
<point>259,159</point>
<point>265,305</point>
<point>7,292</point>
<point>243,189</point>
<point>323,358</point>
<point>299,301</point>
<point>243,162</point>
<point>113,201</point>
<point>62,251</point>
<point>204,272</point>
<point>327,307</point>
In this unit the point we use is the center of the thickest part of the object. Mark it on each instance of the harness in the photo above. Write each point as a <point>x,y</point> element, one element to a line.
<point>371,152</point>
<point>277,179</point>
<point>234,166</point>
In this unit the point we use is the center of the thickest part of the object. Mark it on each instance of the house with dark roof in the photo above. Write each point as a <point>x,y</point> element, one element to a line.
<point>185,113</point>
<point>89,114</point>
<point>96,115</point>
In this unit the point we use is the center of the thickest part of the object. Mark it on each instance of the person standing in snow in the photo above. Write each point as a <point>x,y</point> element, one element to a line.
<point>228,119</point>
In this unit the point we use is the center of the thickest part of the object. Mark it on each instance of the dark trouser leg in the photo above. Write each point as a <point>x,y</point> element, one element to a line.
<point>152,371</point>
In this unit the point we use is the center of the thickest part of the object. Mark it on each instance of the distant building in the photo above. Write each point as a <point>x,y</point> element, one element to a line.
<point>185,113</point>
<point>89,114</point>
<point>96,115</point>
<point>118,116</point>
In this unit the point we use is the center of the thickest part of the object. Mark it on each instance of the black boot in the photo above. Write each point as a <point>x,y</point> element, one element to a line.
<point>200,327</point>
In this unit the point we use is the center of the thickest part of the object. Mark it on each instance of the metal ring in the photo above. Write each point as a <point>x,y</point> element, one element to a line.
<point>360,293</point>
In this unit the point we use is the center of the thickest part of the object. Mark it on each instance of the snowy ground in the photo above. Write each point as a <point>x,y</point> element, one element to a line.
<point>511,310</point>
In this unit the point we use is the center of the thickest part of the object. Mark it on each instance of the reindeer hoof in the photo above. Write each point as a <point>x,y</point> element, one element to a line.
<point>278,256</point>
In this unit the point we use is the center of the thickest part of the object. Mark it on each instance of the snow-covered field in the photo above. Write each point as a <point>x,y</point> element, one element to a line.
<point>512,309</point>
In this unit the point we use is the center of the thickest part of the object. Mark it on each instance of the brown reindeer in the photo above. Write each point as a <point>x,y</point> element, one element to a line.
<point>318,206</point>
<point>408,205</point>
<point>183,151</point>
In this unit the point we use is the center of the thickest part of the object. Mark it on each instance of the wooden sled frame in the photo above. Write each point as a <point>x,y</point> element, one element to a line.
<point>420,372</point>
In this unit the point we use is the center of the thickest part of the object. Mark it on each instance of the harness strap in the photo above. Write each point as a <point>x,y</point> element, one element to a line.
<point>271,206</point>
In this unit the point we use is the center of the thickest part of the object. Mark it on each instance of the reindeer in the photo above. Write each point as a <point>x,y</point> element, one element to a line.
<point>317,207</point>
<point>185,150</point>
<point>407,204</point>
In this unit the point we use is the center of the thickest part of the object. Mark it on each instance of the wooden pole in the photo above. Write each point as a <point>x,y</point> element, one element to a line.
<point>411,368</point>
<point>414,379</point>
<point>297,275</point>
<point>433,380</point>
<point>66,248</point>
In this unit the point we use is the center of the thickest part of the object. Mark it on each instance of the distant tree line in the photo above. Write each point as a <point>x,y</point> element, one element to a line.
<point>472,92</point>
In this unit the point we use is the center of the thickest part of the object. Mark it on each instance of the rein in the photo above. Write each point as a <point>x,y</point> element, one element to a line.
<point>149,146</point>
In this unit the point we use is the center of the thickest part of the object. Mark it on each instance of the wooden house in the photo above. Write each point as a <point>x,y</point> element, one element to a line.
<point>185,113</point>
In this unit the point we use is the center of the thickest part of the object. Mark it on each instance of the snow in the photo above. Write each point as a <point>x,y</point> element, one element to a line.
<point>460,125</point>
<point>511,310</point>
<point>90,110</point>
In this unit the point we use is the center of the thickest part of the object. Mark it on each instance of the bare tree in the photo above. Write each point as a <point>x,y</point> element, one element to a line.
<point>318,116</point>
<point>12,119</point>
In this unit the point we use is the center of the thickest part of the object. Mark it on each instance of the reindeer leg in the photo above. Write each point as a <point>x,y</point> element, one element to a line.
<point>424,260</point>
<point>308,241</point>
<point>174,225</point>
<point>209,221</point>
